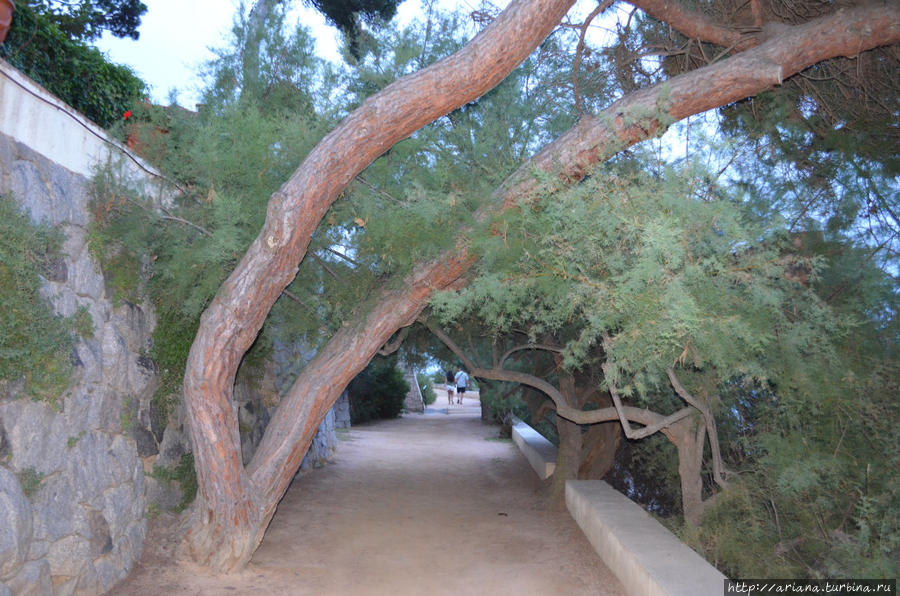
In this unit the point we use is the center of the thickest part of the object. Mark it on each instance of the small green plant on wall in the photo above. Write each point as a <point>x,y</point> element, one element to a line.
<point>35,344</point>
<point>184,474</point>
<point>30,479</point>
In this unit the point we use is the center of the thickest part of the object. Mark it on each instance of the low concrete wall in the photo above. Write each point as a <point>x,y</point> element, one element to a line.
<point>32,115</point>
<point>645,556</point>
<point>539,452</point>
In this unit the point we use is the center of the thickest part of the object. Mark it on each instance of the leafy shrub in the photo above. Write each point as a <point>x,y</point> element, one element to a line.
<point>499,405</point>
<point>34,343</point>
<point>378,391</point>
<point>75,72</point>
<point>426,385</point>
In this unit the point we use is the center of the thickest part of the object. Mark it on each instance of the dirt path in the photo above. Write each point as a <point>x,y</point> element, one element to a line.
<point>420,505</point>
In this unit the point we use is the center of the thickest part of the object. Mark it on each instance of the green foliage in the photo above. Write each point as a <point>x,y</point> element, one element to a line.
<point>427,387</point>
<point>82,323</point>
<point>378,391</point>
<point>72,441</point>
<point>182,473</point>
<point>667,272</point>
<point>502,405</point>
<point>643,268</point>
<point>126,416</point>
<point>35,344</point>
<point>228,161</point>
<point>87,19</point>
<point>347,14</point>
<point>30,480</point>
<point>75,72</point>
<point>271,69</point>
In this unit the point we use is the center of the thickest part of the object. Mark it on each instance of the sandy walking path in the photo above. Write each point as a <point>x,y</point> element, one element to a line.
<point>426,504</point>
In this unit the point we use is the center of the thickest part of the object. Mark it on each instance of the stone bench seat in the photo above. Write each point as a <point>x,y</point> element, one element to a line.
<point>645,556</point>
<point>539,452</point>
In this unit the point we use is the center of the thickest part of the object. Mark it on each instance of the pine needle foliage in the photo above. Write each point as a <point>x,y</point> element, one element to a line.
<point>644,268</point>
<point>226,161</point>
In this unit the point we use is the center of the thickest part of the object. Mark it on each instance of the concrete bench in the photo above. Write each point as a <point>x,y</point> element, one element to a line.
<point>539,452</point>
<point>645,556</point>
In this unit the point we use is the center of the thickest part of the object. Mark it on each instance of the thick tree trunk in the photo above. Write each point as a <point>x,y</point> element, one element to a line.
<point>689,437</point>
<point>234,505</point>
<point>568,459</point>
<point>598,450</point>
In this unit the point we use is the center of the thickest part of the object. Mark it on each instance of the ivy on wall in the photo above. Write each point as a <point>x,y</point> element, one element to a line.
<point>76,73</point>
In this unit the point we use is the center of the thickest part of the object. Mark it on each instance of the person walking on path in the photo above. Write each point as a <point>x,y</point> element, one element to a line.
<point>462,380</point>
<point>451,385</point>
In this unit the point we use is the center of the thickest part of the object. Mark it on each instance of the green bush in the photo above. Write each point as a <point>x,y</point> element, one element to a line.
<point>426,385</point>
<point>501,404</point>
<point>378,391</point>
<point>34,343</point>
<point>75,72</point>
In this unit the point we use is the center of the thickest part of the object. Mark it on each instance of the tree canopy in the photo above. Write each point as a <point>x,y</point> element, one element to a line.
<point>725,296</point>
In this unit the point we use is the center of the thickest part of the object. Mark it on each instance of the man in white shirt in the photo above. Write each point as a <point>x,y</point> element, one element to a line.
<point>462,379</point>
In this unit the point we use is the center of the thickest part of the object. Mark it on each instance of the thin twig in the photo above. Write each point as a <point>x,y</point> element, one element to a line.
<point>710,423</point>
<point>580,48</point>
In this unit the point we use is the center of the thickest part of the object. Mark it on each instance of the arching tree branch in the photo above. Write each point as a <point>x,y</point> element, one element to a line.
<point>653,421</point>
<point>694,24</point>
<point>523,347</point>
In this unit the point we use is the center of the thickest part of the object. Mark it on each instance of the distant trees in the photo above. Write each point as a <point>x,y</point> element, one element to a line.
<point>347,15</point>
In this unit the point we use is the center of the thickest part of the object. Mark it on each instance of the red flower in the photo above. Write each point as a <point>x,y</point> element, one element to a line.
<point>126,115</point>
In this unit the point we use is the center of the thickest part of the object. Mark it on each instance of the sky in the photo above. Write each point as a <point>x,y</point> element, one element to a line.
<point>175,37</point>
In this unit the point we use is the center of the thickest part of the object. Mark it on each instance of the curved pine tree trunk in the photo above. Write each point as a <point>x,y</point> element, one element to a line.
<point>234,505</point>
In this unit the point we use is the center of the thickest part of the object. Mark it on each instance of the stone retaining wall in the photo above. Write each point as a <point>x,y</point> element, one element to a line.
<point>81,527</point>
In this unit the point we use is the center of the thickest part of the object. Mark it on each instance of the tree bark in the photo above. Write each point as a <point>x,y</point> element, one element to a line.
<point>688,436</point>
<point>598,450</point>
<point>234,505</point>
<point>694,23</point>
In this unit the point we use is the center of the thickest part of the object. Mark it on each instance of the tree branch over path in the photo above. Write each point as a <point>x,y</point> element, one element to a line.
<point>649,111</point>
<point>234,504</point>
<point>232,510</point>
<point>652,421</point>
<point>594,139</point>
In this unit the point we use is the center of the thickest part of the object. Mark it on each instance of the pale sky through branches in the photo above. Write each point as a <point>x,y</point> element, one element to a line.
<point>175,37</point>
